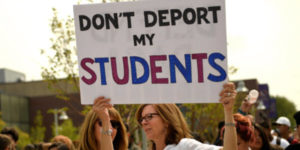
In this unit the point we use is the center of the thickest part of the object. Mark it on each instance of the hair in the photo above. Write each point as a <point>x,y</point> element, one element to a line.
<point>29,147</point>
<point>265,140</point>
<point>59,146</point>
<point>266,125</point>
<point>170,114</point>
<point>5,141</point>
<point>293,147</point>
<point>87,135</point>
<point>65,140</point>
<point>12,132</point>
<point>243,127</point>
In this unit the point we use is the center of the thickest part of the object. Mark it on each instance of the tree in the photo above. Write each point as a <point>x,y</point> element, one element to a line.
<point>63,64</point>
<point>37,133</point>
<point>68,129</point>
<point>285,108</point>
<point>2,123</point>
<point>24,139</point>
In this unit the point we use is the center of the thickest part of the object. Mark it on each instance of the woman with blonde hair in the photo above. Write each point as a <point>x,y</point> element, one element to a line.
<point>167,129</point>
<point>103,128</point>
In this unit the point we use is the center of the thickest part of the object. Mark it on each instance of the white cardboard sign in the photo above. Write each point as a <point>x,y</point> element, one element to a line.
<point>171,51</point>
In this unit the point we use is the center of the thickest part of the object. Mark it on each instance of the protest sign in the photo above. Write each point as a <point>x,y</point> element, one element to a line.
<point>170,51</point>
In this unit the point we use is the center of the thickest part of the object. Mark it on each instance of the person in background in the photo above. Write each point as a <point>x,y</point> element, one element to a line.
<point>245,132</point>
<point>197,137</point>
<point>58,146</point>
<point>293,147</point>
<point>273,139</point>
<point>297,118</point>
<point>283,125</point>
<point>167,129</point>
<point>6,143</point>
<point>65,140</point>
<point>103,128</point>
<point>11,132</point>
<point>260,141</point>
<point>245,107</point>
<point>219,139</point>
<point>30,147</point>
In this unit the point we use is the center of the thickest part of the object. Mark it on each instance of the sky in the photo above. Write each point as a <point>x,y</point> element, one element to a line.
<point>263,39</point>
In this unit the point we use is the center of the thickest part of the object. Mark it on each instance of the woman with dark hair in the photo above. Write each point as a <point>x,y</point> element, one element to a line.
<point>260,141</point>
<point>6,142</point>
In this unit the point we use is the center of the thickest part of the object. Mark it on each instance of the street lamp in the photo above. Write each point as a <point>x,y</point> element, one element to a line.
<point>63,116</point>
<point>261,105</point>
<point>241,87</point>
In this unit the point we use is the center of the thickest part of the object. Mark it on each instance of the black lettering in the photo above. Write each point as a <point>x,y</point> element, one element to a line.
<point>214,10</point>
<point>150,38</point>
<point>175,15</point>
<point>138,40</point>
<point>161,17</point>
<point>83,18</point>
<point>186,17</point>
<point>147,23</point>
<point>128,15</point>
<point>202,13</point>
<point>113,20</point>
<point>101,24</point>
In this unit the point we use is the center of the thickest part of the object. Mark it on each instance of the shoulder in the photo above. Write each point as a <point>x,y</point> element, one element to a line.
<point>284,143</point>
<point>191,144</point>
<point>274,140</point>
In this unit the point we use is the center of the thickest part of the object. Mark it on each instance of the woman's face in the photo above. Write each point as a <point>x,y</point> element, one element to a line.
<point>242,145</point>
<point>98,130</point>
<point>152,124</point>
<point>257,143</point>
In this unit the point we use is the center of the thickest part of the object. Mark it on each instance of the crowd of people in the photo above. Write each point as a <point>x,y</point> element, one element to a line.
<point>166,129</point>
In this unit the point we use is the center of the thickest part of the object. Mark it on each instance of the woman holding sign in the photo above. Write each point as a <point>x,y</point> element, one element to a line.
<point>103,128</point>
<point>167,129</point>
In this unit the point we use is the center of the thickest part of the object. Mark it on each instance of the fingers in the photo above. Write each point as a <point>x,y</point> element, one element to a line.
<point>230,85</point>
<point>102,103</point>
<point>227,100</point>
<point>228,94</point>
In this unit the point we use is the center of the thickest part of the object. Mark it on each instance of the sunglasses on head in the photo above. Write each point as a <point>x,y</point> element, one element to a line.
<point>114,123</point>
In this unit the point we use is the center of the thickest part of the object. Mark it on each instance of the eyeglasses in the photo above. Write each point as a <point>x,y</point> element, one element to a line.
<point>147,117</point>
<point>114,123</point>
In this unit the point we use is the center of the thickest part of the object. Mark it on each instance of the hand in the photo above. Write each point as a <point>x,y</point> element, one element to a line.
<point>246,106</point>
<point>228,95</point>
<point>101,106</point>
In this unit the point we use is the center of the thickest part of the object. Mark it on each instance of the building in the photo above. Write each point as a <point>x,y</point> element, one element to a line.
<point>7,76</point>
<point>20,101</point>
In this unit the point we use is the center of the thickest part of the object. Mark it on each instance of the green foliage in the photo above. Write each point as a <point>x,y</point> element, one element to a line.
<point>23,136</point>
<point>68,129</point>
<point>128,114</point>
<point>285,108</point>
<point>24,139</point>
<point>2,123</point>
<point>203,118</point>
<point>86,109</point>
<point>37,133</point>
<point>62,59</point>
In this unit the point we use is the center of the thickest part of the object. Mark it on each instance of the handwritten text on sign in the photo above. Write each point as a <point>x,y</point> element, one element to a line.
<point>150,52</point>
